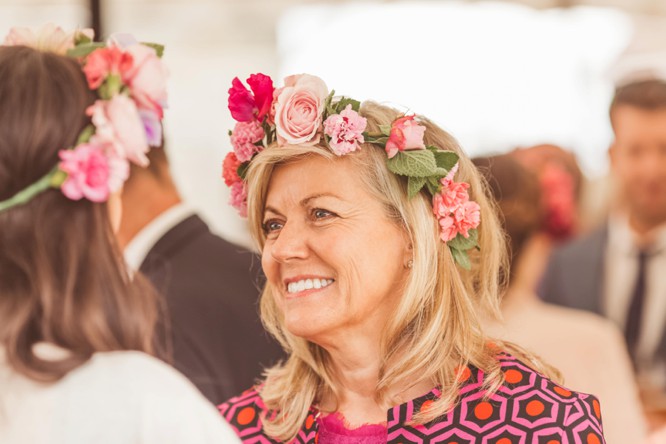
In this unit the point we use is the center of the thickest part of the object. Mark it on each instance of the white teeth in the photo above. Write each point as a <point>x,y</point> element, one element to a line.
<point>308,284</point>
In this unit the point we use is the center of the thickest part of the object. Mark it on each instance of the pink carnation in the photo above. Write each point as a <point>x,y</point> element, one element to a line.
<point>119,125</point>
<point>238,198</point>
<point>406,134</point>
<point>447,228</point>
<point>299,109</point>
<point>454,194</point>
<point>230,169</point>
<point>455,212</point>
<point>345,130</point>
<point>88,173</point>
<point>244,137</point>
<point>104,62</point>
<point>467,217</point>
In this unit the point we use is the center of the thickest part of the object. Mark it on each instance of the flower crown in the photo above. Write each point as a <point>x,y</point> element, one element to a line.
<point>303,112</point>
<point>130,82</point>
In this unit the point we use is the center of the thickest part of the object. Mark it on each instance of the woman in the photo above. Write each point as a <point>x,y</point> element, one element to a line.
<point>76,332</point>
<point>578,343</point>
<point>379,244</point>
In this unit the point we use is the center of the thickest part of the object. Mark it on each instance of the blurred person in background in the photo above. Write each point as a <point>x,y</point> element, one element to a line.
<point>618,269</point>
<point>209,285</point>
<point>536,211</point>
<point>76,332</point>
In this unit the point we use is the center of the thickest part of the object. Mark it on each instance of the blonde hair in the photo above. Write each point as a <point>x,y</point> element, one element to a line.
<point>435,331</point>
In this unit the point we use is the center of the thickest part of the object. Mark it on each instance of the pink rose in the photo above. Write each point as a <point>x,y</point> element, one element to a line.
<point>243,138</point>
<point>238,198</point>
<point>88,173</point>
<point>104,62</point>
<point>246,106</point>
<point>406,134</point>
<point>345,130</point>
<point>118,124</point>
<point>230,169</point>
<point>467,216</point>
<point>47,38</point>
<point>299,110</point>
<point>147,78</point>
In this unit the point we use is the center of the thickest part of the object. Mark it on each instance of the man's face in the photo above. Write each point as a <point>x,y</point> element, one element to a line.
<point>638,161</point>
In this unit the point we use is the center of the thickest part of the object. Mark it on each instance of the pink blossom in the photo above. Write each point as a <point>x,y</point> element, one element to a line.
<point>244,137</point>
<point>454,194</point>
<point>447,228</point>
<point>88,173</point>
<point>49,37</point>
<point>104,62</point>
<point>230,169</point>
<point>119,170</point>
<point>246,106</point>
<point>467,217</point>
<point>406,134</point>
<point>147,78</point>
<point>345,130</point>
<point>119,125</point>
<point>299,110</point>
<point>153,127</point>
<point>238,198</point>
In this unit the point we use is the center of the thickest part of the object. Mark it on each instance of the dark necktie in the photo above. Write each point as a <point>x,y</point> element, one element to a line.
<point>635,313</point>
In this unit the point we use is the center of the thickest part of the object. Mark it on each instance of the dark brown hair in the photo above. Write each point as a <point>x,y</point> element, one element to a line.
<point>646,94</point>
<point>517,193</point>
<point>62,276</point>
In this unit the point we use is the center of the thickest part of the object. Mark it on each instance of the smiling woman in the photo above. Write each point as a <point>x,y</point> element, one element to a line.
<point>380,245</point>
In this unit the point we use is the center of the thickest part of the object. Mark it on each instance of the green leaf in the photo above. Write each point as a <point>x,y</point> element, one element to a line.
<point>414,185</point>
<point>81,39</point>
<point>374,138</point>
<point>159,49</point>
<point>242,169</point>
<point>84,49</point>
<point>465,243</point>
<point>58,178</point>
<point>419,163</point>
<point>86,134</point>
<point>385,129</point>
<point>433,185</point>
<point>328,103</point>
<point>461,258</point>
<point>343,102</point>
<point>446,159</point>
<point>111,87</point>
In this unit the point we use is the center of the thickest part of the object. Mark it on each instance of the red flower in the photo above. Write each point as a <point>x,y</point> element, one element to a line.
<point>230,169</point>
<point>106,61</point>
<point>246,106</point>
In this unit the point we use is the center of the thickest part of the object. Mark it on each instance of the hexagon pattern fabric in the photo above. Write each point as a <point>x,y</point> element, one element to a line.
<point>527,409</point>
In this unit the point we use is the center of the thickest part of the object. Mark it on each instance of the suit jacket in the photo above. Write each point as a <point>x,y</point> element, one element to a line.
<point>575,277</point>
<point>211,292</point>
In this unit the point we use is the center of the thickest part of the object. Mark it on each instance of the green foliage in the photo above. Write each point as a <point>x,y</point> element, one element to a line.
<point>419,163</point>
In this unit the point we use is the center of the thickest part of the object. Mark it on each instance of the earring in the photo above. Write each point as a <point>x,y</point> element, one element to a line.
<point>409,264</point>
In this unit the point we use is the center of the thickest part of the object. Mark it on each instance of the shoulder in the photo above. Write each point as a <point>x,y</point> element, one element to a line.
<point>533,399</point>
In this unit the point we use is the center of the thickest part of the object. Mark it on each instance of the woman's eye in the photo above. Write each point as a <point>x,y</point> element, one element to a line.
<point>320,213</point>
<point>272,226</point>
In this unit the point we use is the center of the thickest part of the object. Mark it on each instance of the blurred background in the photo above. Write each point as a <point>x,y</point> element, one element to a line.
<point>498,75</point>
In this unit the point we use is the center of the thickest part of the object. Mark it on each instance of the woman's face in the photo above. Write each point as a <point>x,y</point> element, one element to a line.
<point>335,260</point>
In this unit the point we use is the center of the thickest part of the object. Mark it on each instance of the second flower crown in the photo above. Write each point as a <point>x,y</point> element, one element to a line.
<point>304,112</point>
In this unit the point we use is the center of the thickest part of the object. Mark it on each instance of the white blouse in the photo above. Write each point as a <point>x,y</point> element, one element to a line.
<point>122,397</point>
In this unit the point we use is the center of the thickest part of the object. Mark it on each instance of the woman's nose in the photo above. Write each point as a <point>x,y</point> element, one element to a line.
<point>290,244</point>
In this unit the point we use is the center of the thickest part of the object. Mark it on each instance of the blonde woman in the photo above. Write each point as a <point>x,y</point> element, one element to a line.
<point>379,245</point>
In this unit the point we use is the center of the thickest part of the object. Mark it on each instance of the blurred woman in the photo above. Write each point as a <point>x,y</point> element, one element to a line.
<point>379,244</point>
<point>76,333</point>
<point>581,345</point>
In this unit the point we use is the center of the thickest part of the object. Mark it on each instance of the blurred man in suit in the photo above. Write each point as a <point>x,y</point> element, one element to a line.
<point>619,270</point>
<point>209,285</point>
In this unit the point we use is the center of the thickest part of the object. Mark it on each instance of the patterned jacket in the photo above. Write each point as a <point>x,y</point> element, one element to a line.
<point>528,408</point>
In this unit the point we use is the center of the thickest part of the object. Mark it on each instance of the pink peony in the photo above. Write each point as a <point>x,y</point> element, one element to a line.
<point>467,216</point>
<point>119,125</point>
<point>406,134</point>
<point>49,37</point>
<point>146,78</point>
<point>104,62</point>
<point>299,110</point>
<point>244,137</point>
<point>88,173</point>
<point>238,198</point>
<point>246,106</point>
<point>230,169</point>
<point>345,130</point>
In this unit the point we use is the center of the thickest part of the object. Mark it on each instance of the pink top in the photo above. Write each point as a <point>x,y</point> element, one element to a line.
<point>333,429</point>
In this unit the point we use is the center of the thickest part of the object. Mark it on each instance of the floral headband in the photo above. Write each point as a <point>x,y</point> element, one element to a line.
<point>130,82</point>
<point>303,112</point>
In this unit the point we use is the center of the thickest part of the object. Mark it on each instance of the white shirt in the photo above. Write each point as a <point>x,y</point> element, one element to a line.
<point>122,397</point>
<point>621,269</point>
<point>137,249</point>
